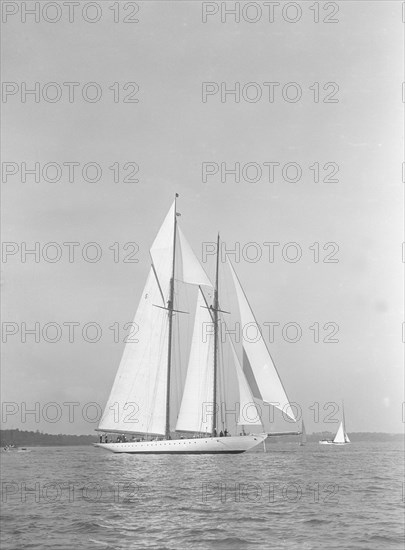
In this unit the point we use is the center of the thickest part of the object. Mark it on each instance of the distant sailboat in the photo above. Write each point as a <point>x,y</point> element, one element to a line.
<point>341,437</point>
<point>303,435</point>
<point>144,383</point>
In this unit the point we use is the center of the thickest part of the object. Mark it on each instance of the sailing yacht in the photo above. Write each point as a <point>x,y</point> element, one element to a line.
<point>341,437</point>
<point>141,407</point>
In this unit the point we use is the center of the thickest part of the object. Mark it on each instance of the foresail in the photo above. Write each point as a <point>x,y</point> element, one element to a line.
<point>137,402</point>
<point>162,252</point>
<point>258,365</point>
<point>193,273</point>
<point>347,440</point>
<point>248,413</point>
<point>340,435</point>
<point>196,407</point>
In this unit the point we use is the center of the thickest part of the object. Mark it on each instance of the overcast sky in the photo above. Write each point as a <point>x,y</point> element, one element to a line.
<point>170,133</point>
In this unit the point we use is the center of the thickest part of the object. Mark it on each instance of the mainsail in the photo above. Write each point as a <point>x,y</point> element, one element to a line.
<point>197,406</point>
<point>340,435</point>
<point>258,365</point>
<point>137,399</point>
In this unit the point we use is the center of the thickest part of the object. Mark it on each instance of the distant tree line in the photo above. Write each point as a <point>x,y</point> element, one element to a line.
<point>32,439</point>
<point>354,436</point>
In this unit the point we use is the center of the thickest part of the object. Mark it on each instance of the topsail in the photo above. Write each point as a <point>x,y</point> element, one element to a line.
<point>193,273</point>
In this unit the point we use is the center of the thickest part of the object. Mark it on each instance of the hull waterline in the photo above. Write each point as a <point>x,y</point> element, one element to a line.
<point>209,445</point>
<point>332,443</point>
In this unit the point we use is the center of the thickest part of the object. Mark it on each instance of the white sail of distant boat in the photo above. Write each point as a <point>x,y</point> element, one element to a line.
<point>303,434</point>
<point>341,437</point>
<point>347,440</point>
<point>141,405</point>
<point>340,434</point>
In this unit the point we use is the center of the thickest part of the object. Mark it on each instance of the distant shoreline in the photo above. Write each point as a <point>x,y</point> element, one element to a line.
<point>39,439</point>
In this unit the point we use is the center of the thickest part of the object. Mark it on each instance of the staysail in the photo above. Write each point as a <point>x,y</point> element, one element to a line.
<point>137,400</point>
<point>258,365</point>
<point>248,413</point>
<point>196,407</point>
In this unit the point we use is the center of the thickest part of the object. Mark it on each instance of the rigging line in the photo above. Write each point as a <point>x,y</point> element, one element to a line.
<point>206,303</point>
<point>157,281</point>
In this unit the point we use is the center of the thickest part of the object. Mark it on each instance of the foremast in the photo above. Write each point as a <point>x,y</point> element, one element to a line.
<point>170,308</point>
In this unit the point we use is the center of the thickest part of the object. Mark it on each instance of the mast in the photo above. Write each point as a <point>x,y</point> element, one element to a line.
<point>170,308</point>
<point>215,311</point>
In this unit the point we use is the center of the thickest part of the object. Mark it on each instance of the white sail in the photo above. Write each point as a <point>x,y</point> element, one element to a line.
<point>303,434</point>
<point>162,252</point>
<point>196,407</point>
<point>137,402</point>
<point>258,364</point>
<point>193,273</point>
<point>340,435</point>
<point>248,413</point>
<point>347,440</point>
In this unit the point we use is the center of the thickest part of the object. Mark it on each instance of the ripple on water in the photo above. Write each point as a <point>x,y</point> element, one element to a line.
<point>170,510</point>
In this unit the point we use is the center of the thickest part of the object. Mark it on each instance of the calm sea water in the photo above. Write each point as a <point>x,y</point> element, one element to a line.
<point>291,497</point>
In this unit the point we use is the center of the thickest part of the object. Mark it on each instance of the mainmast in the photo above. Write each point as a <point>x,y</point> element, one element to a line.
<point>170,308</point>
<point>215,314</point>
